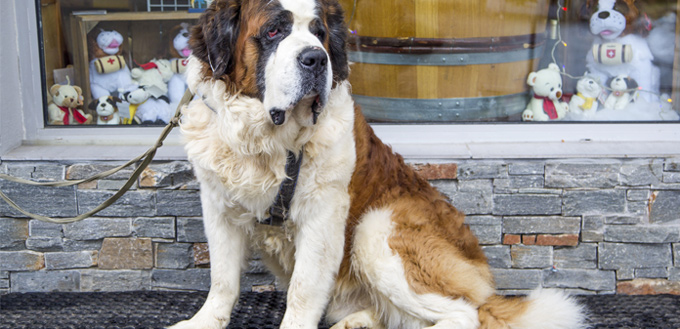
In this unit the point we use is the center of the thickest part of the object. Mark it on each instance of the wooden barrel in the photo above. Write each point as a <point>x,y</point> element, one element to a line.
<point>444,60</point>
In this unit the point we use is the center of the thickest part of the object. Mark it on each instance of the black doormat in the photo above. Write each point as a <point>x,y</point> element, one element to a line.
<point>154,309</point>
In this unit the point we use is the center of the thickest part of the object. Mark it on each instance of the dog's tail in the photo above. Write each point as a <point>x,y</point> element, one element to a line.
<point>542,309</point>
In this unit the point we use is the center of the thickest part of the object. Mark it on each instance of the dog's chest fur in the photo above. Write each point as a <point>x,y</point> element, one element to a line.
<point>239,158</point>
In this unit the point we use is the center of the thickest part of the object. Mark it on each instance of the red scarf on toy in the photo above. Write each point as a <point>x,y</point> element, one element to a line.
<point>76,115</point>
<point>548,107</point>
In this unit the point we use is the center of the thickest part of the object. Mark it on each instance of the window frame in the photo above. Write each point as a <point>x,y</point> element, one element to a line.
<point>32,140</point>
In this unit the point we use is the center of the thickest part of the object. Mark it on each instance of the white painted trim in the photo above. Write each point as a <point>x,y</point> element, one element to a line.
<point>455,141</point>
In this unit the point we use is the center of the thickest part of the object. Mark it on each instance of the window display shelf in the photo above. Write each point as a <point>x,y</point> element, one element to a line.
<point>145,37</point>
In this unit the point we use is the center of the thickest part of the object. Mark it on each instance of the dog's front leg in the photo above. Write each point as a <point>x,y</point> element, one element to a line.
<point>319,243</point>
<point>228,246</point>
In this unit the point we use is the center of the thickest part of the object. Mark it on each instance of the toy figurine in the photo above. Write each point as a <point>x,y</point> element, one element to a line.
<point>546,103</point>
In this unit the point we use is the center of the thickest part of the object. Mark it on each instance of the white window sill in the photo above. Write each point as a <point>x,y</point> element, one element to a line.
<point>444,142</point>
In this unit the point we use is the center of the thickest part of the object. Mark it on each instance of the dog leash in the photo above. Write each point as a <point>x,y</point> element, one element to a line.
<point>146,159</point>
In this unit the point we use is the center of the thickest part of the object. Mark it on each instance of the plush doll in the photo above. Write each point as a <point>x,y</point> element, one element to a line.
<point>584,103</point>
<point>621,95</point>
<point>106,109</point>
<point>180,51</point>
<point>154,77</point>
<point>619,47</point>
<point>545,104</point>
<point>62,109</point>
<point>108,70</point>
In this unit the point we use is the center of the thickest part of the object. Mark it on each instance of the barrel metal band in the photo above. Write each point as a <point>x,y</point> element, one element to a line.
<point>446,59</point>
<point>386,109</point>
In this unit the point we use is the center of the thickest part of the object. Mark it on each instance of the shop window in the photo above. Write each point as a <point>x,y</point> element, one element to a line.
<point>424,61</point>
<point>112,62</point>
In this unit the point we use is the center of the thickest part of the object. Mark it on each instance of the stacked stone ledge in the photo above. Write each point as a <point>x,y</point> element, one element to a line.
<point>588,226</point>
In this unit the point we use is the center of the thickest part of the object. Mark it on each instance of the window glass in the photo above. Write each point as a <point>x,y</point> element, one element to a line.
<point>513,60</point>
<point>112,62</point>
<point>423,61</point>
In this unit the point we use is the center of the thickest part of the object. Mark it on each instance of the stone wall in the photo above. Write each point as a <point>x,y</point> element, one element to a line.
<point>589,226</point>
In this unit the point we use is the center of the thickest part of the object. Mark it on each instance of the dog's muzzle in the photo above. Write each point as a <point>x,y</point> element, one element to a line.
<point>278,116</point>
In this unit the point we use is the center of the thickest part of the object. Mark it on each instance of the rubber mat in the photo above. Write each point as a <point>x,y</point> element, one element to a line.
<point>157,309</point>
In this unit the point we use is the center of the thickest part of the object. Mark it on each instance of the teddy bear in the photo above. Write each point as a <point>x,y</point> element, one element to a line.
<point>584,103</point>
<point>153,77</point>
<point>619,47</point>
<point>547,87</point>
<point>106,109</point>
<point>621,95</point>
<point>62,109</point>
<point>179,52</point>
<point>108,70</point>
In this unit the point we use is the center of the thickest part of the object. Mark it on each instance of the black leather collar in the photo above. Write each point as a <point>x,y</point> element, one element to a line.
<point>278,212</point>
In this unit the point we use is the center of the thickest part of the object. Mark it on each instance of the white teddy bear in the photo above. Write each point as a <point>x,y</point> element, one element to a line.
<point>545,104</point>
<point>153,77</point>
<point>585,103</point>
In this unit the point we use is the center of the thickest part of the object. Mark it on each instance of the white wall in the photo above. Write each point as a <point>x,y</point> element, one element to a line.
<point>11,103</point>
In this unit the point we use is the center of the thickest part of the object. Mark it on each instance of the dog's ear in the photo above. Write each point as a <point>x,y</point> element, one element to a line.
<point>213,39</point>
<point>337,39</point>
<point>93,105</point>
<point>630,83</point>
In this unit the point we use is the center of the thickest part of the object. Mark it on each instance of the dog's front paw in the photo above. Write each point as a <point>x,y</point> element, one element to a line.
<point>201,322</point>
<point>359,320</point>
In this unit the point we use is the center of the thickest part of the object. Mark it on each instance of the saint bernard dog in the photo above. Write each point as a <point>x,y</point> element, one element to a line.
<point>368,243</point>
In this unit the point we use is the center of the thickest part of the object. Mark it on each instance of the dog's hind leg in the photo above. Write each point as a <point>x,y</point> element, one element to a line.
<point>382,271</point>
<point>365,319</point>
<point>227,245</point>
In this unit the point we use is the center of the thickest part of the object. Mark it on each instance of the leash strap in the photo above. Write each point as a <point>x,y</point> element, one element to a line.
<point>279,211</point>
<point>146,156</point>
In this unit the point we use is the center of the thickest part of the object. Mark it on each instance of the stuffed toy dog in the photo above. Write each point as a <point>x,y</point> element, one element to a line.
<point>622,87</point>
<point>108,70</point>
<point>107,111</point>
<point>619,47</point>
<point>546,103</point>
<point>179,51</point>
<point>153,77</point>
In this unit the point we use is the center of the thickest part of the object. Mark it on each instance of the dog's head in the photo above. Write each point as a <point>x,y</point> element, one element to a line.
<point>104,106</point>
<point>611,19</point>
<point>622,83</point>
<point>287,53</point>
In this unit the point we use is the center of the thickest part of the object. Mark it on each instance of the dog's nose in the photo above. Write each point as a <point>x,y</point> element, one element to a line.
<point>603,14</point>
<point>313,59</point>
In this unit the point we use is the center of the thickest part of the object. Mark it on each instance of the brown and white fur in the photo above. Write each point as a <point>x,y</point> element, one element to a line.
<point>368,242</point>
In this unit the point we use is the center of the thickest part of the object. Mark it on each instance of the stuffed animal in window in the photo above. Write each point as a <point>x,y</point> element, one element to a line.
<point>620,47</point>
<point>180,52</point>
<point>584,103</point>
<point>153,77</point>
<point>106,109</point>
<point>62,109</point>
<point>546,102</point>
<point>621,95</point>
<point>108,71</point>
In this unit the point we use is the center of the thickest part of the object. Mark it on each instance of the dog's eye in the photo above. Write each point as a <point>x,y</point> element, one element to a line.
<point>621,7</point>
<point>271,34</point>
<point>320,35</point>
<point>552,89</point>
